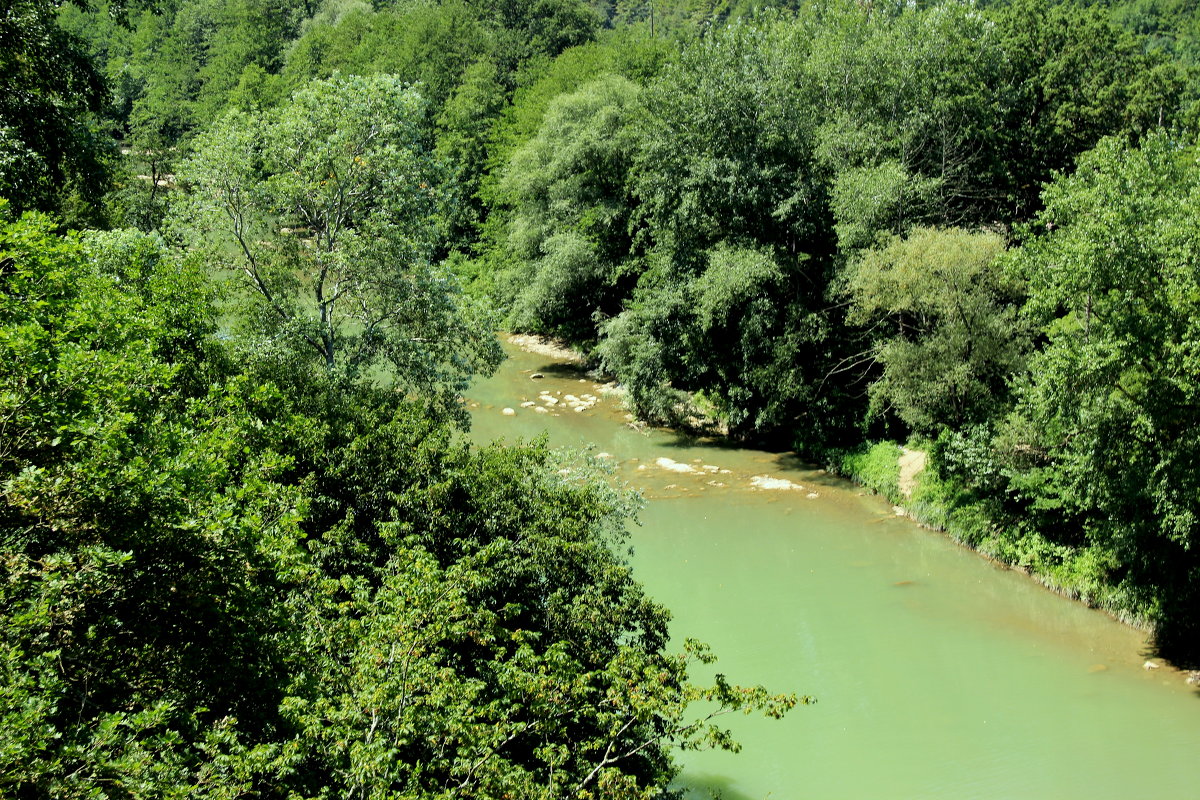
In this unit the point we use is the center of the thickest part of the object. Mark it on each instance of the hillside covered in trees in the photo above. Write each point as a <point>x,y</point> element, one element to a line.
<point>251,254</point>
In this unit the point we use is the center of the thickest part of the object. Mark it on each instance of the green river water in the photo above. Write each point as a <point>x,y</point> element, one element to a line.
<point>937,673</point>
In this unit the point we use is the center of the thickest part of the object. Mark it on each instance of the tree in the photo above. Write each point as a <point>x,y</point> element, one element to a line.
<point>464,140</point>
<point>214,585</point>
<point>138,556</point>
<point>732,214</point>
<point>907,100</point>
<point>51,153</point>
<point>953,338</point>
<point>571,208</point>
<point>326,210</point>
<point>1069,77</point>
<point>727,151</point>
<point>1103,438</point>
<point>427,44</point>
<point>526,30</point>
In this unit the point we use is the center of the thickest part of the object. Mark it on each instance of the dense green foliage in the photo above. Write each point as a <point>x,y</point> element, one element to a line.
<point>952,333</point>
<point>246,549</point>
<point>266,578</point>
<point>1102,438</point>
<point>351,283</point>
<point>52,155</point>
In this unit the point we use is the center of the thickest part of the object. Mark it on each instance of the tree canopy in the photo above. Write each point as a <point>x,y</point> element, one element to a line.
<point>327,212</point>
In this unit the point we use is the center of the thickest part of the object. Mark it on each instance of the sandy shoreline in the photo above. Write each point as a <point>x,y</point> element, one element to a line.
<point>545,347</point>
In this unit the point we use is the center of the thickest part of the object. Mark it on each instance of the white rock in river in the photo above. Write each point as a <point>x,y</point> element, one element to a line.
<point>767,482</point>
<point>674,466</point>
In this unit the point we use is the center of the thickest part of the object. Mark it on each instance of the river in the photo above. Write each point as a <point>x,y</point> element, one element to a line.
<point>937,673</point>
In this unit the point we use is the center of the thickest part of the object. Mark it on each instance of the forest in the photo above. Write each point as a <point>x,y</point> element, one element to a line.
<point>253,251</point>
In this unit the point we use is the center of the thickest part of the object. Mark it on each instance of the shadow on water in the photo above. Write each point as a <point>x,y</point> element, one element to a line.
<point>710,787</point>
<point>1178,642</point>
<point>558,369</point>
<point>682,440</point>
<point>783,460</point>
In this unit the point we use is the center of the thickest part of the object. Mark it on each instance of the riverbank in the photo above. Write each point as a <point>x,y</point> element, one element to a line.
<point>887,469</point>
<point>899,474</point>
<point>943,506</point>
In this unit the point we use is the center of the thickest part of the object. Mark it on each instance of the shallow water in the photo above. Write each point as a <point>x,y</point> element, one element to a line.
<point>937,673</point>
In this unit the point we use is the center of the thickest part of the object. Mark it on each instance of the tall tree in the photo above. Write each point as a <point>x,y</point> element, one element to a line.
<point>1105,434</point>
<point>50,147</point>
<point>570,222</point>
<point>1069,78</point>
<point>326,210</point>
<point>952,339</point>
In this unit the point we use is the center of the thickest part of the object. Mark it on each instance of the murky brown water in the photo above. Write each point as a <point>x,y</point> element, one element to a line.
<point>938,674</point>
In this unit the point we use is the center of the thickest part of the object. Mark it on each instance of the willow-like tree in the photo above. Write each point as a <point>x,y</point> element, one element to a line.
<point>951,333</point>
<point>327,211</point>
